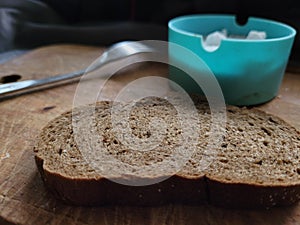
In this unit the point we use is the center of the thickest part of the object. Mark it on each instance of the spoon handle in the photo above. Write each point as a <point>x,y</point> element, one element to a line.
<point>26,84</point>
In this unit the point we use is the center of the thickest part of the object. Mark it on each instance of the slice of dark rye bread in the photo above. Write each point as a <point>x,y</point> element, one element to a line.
<point>256,165</point>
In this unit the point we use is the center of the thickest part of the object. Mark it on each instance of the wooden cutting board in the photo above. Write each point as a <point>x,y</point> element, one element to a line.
<point>23,198</point>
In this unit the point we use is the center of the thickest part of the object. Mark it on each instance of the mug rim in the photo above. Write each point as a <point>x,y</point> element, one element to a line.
<point>172,25</point>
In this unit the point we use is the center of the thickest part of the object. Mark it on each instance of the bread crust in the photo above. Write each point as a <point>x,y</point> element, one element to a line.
<point>176,189</point>
<point>243,195</point>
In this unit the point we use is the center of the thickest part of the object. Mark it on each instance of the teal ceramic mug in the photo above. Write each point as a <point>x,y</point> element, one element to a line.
<point>249,72</point>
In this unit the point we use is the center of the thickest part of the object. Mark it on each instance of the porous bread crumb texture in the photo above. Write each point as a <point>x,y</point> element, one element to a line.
<point>62,155</point>
<point>257,148</point>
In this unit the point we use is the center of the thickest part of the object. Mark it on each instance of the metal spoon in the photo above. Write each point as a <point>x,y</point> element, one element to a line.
<point>114,53</point>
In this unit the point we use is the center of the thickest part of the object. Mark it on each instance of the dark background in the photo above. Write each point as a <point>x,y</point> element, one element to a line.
<point>27,24</point>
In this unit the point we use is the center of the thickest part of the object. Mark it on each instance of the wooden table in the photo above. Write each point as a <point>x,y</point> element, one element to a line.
<point>23,198</point>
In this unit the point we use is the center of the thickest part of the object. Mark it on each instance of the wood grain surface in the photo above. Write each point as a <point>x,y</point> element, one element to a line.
<point>23,198</point>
